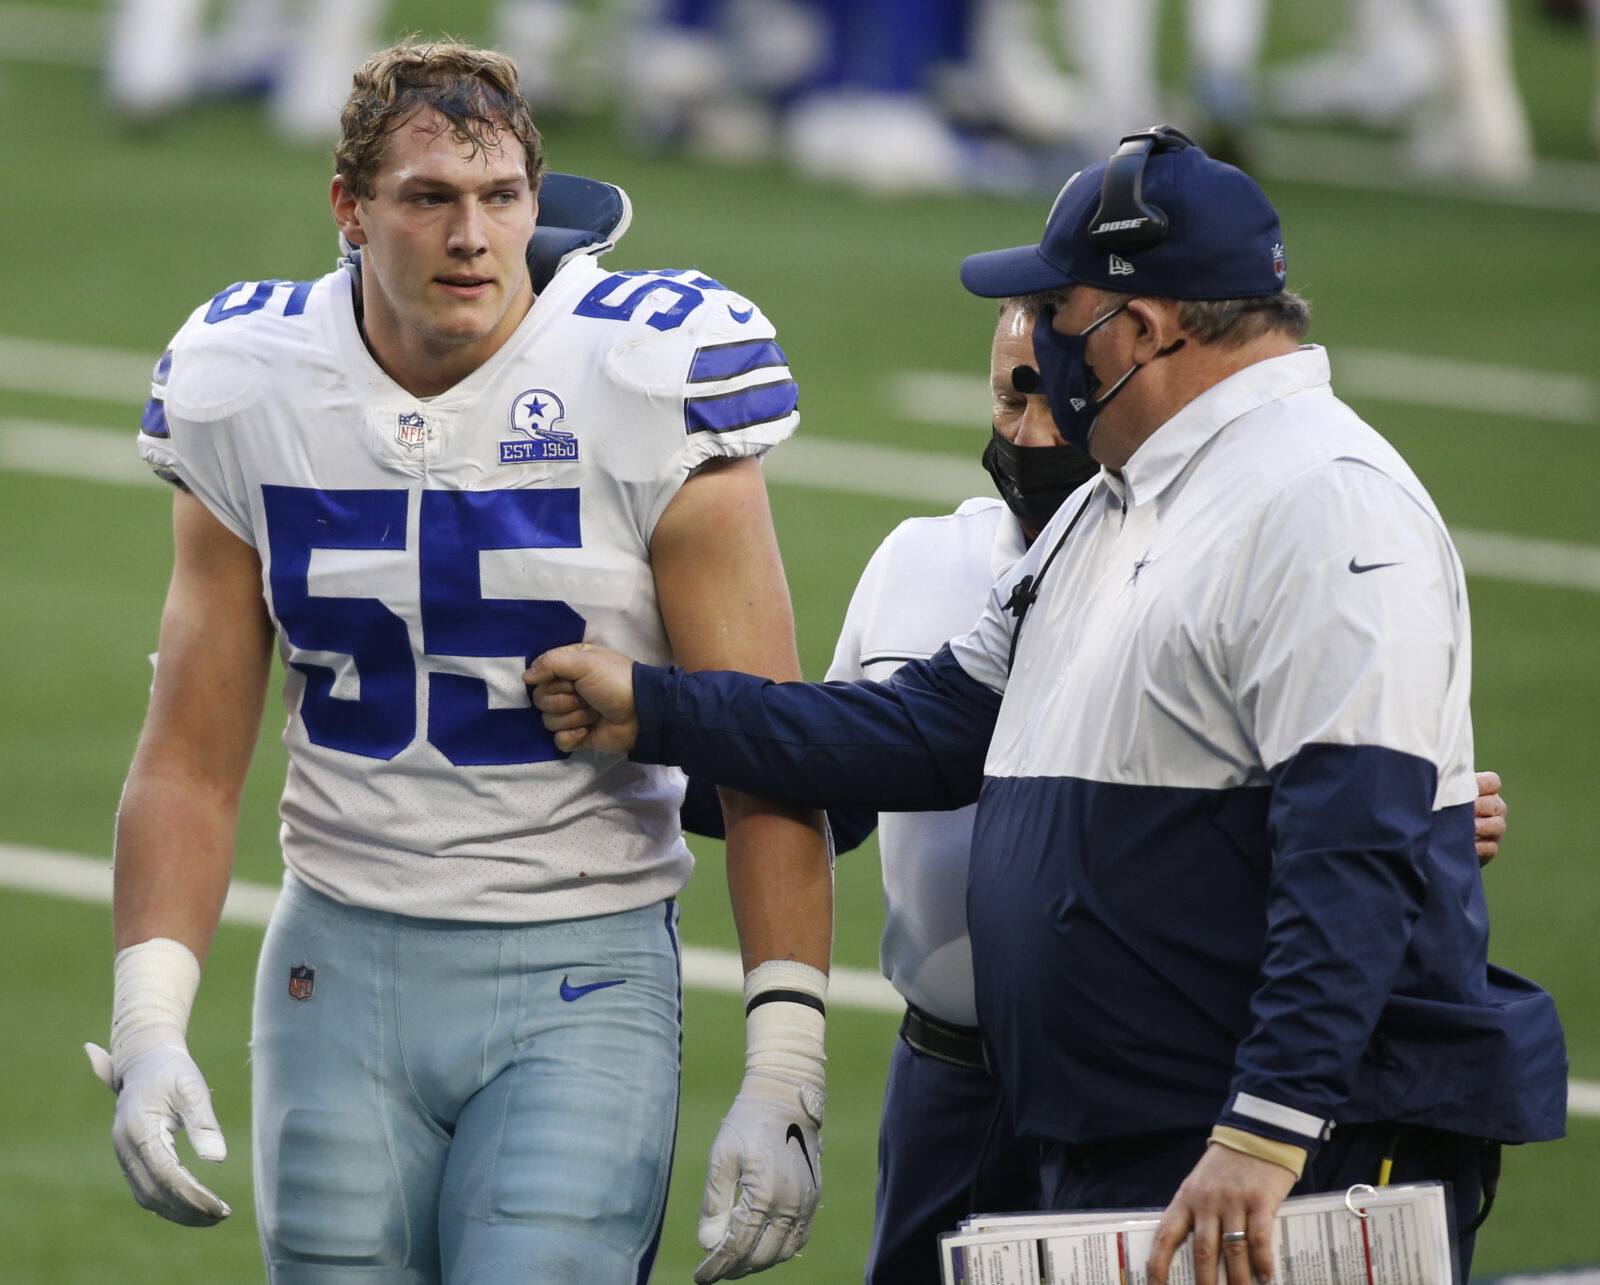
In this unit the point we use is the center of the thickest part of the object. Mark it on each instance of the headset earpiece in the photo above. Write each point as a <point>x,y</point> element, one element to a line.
<point>1125,223</point>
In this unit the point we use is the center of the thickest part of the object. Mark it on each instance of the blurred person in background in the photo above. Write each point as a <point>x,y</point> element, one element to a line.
<point>889,96</point>
<point>161,57</point>
<point>1438,70</point>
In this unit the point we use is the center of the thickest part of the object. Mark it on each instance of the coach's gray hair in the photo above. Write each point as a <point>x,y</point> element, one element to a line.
<point>1229,323</point>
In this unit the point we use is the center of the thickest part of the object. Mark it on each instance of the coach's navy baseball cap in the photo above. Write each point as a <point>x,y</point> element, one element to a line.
<point>1223,240</point>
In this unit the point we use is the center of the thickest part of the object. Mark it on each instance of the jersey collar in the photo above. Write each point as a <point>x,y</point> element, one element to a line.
<point>358,359</point>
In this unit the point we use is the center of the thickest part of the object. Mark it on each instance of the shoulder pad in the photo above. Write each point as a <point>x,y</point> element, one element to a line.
<point>214,366</point>
<point>680,328</point>
<point>577,216</point>
<point>210,374</point>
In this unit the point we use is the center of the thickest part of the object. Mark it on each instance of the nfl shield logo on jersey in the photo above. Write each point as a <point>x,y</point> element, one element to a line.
<point>535,414</point>
<point>302,981</point>
<point>410,429</point>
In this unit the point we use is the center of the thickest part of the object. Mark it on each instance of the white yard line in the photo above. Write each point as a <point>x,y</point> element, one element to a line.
<point>62,450</point>
<point>1442,383</point>
<point>1477,387</point>
<point>59,874</point>
<point>1496,556</point>
<point>884,472</point>
<point>75,370</point>
<point>1583,1098</point>
<point>1329,158</point>
<point>939,397</point>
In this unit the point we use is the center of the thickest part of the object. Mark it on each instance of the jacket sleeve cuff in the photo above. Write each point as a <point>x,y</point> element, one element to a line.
<point>1267,1119</point>
<point>652,695</point>
<point>1288,1155</point>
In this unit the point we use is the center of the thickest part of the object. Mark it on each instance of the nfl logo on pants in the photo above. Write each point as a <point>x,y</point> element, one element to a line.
<point>302,981</point>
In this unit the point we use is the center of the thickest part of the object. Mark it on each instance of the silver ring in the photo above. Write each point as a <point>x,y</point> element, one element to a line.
<point>1363,1188</point>
<point>1234,1237</point>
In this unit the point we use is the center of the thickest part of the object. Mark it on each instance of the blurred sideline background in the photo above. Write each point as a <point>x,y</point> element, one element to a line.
<point>1435,167</point>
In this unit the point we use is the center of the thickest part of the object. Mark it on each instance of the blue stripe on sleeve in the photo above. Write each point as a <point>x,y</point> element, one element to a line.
<point>722,361</point>
<point>913,744</point>
<point>740,410</point>
<point>163,368</point>
<point>153,423</point>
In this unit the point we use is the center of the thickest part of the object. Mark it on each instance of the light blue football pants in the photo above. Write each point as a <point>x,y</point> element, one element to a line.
<point>463,1103</point>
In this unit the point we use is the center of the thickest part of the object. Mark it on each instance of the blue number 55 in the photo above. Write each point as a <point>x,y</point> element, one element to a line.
<point>457,620</point>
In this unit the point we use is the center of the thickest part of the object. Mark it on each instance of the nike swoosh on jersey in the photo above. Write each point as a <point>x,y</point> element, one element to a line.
<point>1357,568</point>
<point>795,1135</point>
<point>569,992</point>
<point>741,315</point>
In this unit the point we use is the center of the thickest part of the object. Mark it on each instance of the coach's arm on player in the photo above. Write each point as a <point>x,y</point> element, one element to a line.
<point>586,696</point>
<point>720,584</point>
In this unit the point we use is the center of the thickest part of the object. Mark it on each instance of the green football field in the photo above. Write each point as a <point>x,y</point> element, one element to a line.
<point>1468,329</point>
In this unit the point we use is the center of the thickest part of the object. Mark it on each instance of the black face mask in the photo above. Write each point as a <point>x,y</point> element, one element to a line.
<point>1034,480</point>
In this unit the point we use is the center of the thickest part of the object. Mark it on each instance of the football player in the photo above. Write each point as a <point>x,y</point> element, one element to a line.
<point>411,476</point>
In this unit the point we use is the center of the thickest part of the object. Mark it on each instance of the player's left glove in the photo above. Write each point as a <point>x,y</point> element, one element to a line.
<point>158,1086</point>
<point>769,1148</point>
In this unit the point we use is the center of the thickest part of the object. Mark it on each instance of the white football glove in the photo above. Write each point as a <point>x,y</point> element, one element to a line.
<point>765,1173</point>
<point>158,1086</point>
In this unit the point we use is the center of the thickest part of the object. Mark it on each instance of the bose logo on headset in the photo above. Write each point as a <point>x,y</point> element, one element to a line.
<point>1124,223</point>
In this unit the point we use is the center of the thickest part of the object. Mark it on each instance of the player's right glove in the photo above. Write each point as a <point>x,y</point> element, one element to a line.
<point>768,1151</point>
<point>158,1086</point>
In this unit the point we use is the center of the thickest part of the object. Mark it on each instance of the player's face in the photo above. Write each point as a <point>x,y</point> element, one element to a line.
<point>1023,418</point>
<point>443,239</point>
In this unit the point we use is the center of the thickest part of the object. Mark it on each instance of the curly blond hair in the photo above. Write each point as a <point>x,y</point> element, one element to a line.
<point>476,90</point>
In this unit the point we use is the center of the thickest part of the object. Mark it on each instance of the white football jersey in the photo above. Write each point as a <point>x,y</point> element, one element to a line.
<point>416,554</point>
<point>928,582</point>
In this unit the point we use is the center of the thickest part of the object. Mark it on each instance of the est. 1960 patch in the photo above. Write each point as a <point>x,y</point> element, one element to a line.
<point>535,414</point>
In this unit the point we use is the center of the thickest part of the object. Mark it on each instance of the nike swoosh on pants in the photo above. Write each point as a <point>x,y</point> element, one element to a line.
<point>569,992</point>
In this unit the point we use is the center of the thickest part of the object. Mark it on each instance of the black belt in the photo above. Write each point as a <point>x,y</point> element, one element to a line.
<point>959,1045</point>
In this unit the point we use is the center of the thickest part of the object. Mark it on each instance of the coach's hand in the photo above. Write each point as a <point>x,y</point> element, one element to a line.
<point>1489,817</point>
<point>585,694</point>
<point>1226,1191</point>
<point>159,1091</point>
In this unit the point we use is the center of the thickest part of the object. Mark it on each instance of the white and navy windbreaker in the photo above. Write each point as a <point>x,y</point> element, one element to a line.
<point>1223,866</point>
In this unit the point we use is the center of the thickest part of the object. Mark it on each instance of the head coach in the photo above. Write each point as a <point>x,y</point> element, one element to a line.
<point>1228,930</point>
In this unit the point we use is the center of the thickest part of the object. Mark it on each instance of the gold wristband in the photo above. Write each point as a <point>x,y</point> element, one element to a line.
<point>1288,1155</point>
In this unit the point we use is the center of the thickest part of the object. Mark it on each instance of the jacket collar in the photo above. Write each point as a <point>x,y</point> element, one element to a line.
<point>1167,451</point>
